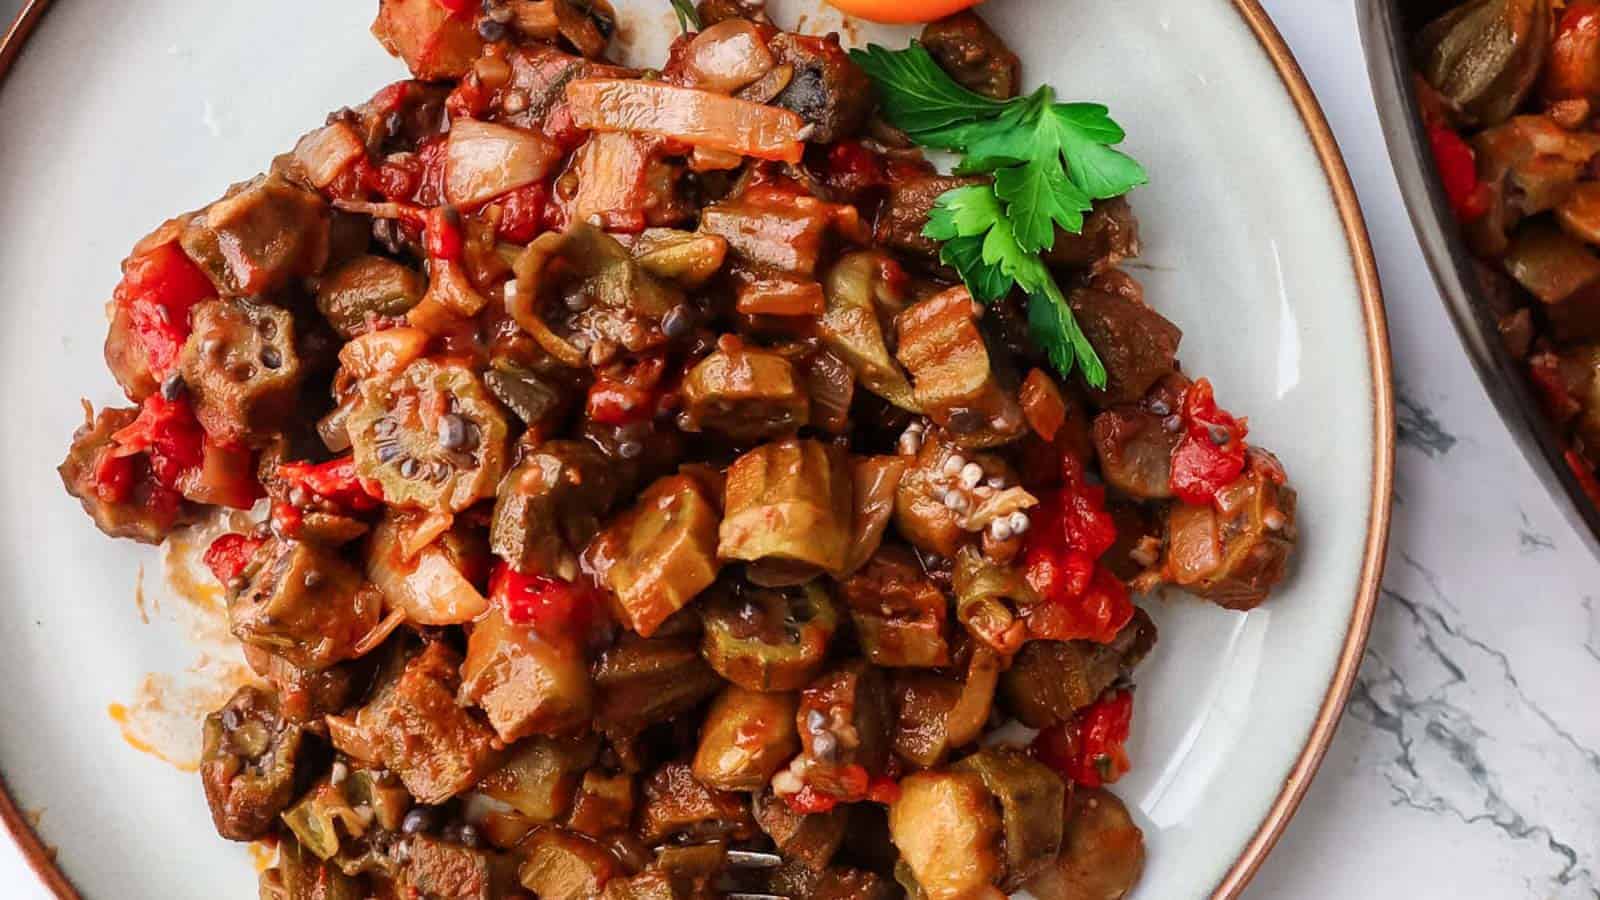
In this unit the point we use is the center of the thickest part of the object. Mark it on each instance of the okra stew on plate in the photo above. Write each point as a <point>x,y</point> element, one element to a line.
<point>667,483</point>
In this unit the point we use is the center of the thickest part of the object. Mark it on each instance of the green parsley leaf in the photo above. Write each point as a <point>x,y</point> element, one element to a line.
<point>688,16</point>
<point>917,95</point>
<point>1048,162</point>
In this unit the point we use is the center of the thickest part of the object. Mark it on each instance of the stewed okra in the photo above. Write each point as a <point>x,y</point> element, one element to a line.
<point>638,487</point>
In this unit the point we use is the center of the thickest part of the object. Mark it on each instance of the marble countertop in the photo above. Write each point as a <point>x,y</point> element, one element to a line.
<point>1468,764</point>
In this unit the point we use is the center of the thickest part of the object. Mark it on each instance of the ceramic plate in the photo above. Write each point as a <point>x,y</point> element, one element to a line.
<point>119,114</point>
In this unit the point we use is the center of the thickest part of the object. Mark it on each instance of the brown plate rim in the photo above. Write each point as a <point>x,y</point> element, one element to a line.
<point>42,857</point>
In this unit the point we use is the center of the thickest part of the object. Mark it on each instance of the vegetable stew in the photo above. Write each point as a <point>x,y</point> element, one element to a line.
<point>663,491</point>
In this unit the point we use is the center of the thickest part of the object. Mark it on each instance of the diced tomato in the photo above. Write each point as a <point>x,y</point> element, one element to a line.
<point>1090,748</point>
<point>444,239</point>
<point>633,397</point>
<point>460,9</point>
<point>229,554</point>
<point>114,478</point>
<point>1458,170</point>
<point>167,431</point>
<point>523,213</point>
<point>1585,475</point>
<point>1078,598</point>
<point>395,179</point>
<point>883,790</point>
<point>335,481</point>
<point>1544,370</point>
<point>810,801</point>
<point>1211,454</point>
<point>286,519</point>
<point>158,290</point>
<point>543,602</point>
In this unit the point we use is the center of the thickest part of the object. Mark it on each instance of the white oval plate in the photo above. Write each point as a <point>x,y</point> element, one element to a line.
<point>117,115</point>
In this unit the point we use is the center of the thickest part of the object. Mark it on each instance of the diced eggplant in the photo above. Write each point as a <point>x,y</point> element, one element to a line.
<point>899,613</point>
<point>827,89</point>
<point>304,603</point>
<point>560,865</point>
<point>365,289</point>
<point>247,764</point>
<point>1137,344</point>
<point>905,212</point>
<point>789,502</point>
<point>1102,853</point>
<point>306,695</point>
<point>1135,449</point>
<point>435,43</point>
<point>968,49</point>
<point>773,231</point>
<point>652,885</point>
<point>1530,165</point>
<point>1551,264</point>
<point>260,237</point>
<point>862,301</point>
<point>745,393</point>
<point>1484,56</point>
<point>414,727</point>
<point>540,778</point>
<point>677,806</point>
<point>440,868</point>
<point>642,681</point>
<point>550,506</point>
<point>1031,798</point>
<point>659,555</point>
<point>952,374</point>
<point>525,682</point>
<point>536,398</point>
<point>922,703</point>
<point>147,512</point>
<point>811,840</point>
<point>1110,235</point>
<point>1049,681</point>
<point>948,833</point>
<point>799,882</point>
<point>747,736</point>
<point>603,805</point>
<point>844,719</point>
<point>1236,550</point>
<point>768,639</point>
<point>242,369</point>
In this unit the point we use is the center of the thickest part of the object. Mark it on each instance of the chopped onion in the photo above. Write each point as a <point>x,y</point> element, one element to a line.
<point>430,589</point>
<point>484,160</point>
<point>383,352</point>
<point>728,56</point>
<point>697,118</point>
<point>326,152</point>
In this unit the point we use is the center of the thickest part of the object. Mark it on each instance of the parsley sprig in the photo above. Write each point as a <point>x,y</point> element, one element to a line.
<point>688,16</point>
<point>1049,162</point>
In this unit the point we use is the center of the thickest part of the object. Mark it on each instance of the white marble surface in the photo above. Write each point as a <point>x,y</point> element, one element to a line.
<point>1469,763</point>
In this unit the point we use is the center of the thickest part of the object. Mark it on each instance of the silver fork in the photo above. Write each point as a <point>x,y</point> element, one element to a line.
<point>753,861</point>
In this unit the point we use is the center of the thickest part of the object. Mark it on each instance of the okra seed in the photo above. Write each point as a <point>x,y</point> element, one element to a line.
<point>1000,529</point>
<point>971,474</point>
<point>954,464</point>
<point>1019,522</point>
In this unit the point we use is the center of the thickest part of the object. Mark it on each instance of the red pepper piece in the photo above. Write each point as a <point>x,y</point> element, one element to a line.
<point>1079,599</point>
<point>1090,748</point>
<point>1211,455</point>
<point>158,289</point>
<point>166,431</point>
<point>523,213</point>
<point>1458,170</point>
<point>547,604</point>
<point>229,554</point>
<point>335,481</point>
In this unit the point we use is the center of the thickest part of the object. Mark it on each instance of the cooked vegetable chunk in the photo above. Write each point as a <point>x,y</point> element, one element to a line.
<point>134,505</point>
<point>434,42</point>
<point>550,506</point>
<point>560,865</point>
<point>844,720</point>
<point>952,373</point>
<point>768,639</point>
<point>431,436</point>
<point>299,875</point>
<point>810,839</point>
<point>644,681</point>
<point>414,727</point>
<point>248,764</point>
<point>540,778</point>
<point>1030,794</point>
<point>746,738</point>
<point>1235,551</point>
<point>1485,55</point>
<point>746,394</point>
<point>1102,852</point>
<point>863,299</point>
<point>789,502</point>
<point>1050,680</point>
<point>966,47</point>
<point>604,804</point>
<point>242,369</point>
<point>676,805</point>
<point>524,681</point>
<point>260,237</point>
<point>445,869</point>
<point>899,612</point>
<point>829,91</point>
<point>304,603</point>
<point>658,555</point>
<point>367,289</point>
<point>1137,344</point>
<point>948,834</point>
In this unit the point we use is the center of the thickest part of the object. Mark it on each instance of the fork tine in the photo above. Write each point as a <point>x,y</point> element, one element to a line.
<point>753,859</point>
